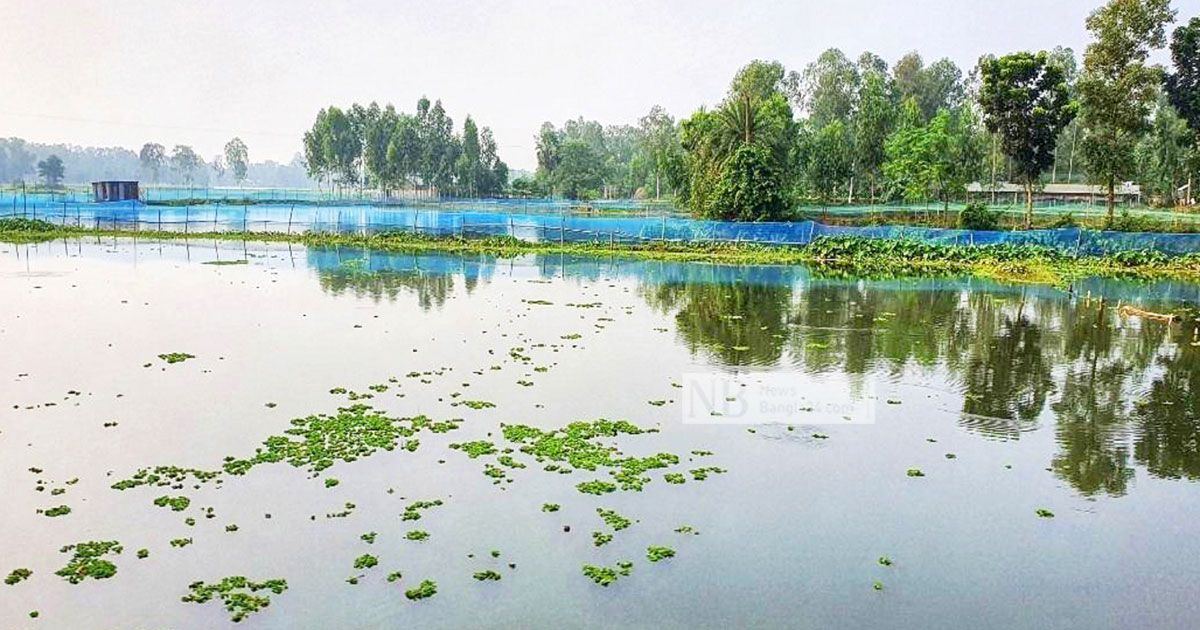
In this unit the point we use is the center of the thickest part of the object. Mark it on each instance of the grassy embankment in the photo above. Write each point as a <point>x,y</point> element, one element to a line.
<point>850,256</point>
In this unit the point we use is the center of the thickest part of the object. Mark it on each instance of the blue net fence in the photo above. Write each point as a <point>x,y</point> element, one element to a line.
<point>544,224</point>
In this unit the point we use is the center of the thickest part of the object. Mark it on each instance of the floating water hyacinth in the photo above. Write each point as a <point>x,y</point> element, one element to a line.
<point>239,595</point>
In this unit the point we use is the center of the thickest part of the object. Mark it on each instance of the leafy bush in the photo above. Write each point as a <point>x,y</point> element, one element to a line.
<point>977,216</point>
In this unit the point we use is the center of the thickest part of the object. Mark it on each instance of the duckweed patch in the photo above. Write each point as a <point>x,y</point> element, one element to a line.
<point>177,504</point>
<point>238,594</point>
<point>87,561</point>
<point>551,507</point>
<point>915,472</point>
<point>614,520</point>
<point>17,576</point>
<point>176,357</point>
<point>600,575</point>
<point>488,575</point>
<point>600,539</point>
<point>417,534</point>
<point>1044,513</point>
<point>424,590</point>
<point>54,512</point>
<point>412,511</point>
<point>655,553</point>
<point>365,561</point>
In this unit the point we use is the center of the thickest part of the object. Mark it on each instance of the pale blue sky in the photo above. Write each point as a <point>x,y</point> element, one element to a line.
<point>121,72</point>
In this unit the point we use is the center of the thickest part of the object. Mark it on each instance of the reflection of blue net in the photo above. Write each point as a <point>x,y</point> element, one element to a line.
<point>550,221</point>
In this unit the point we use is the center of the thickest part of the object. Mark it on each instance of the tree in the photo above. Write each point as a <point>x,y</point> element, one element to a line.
<point>932,161</point>
<point>152,158</point>
<point>468,167</point>
<point>1183,85</point>
<point>1117,88</point>
<point>237,157</point>
<point>185,162</point>
<point>218,167</point>
<point>660,146</point>
<point>829,159</point>
<point>580,171</point>
<point>873,121</point>
<point>51,171</point>
<point>1026,103</point>
<point>750,187</point>
<point>830,86</point>
<point>1164,156</point>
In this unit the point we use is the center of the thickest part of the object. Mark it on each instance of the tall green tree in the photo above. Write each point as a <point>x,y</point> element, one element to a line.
<point>185,162</point>
<point>1183,86</point>
<point>51,171</point>
<point>1026,103</point>
<point>152,157</point>
<point>237,158</point>
<point>873,120</point>
<point>1117,87</point>
<point>1165,155</point>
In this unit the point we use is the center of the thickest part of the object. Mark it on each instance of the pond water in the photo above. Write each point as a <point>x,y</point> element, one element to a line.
<point>1007,399</point>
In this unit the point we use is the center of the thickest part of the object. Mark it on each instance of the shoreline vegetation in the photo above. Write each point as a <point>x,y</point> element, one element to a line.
<point>835,255</point>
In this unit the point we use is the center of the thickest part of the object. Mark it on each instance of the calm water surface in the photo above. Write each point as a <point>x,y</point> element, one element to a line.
<point>1046,399</point>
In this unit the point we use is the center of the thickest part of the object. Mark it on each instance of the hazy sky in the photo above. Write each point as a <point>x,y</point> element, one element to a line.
<point>118,72</point>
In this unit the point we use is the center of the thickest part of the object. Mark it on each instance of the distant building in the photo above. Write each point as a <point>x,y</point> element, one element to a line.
<point>114,191</point>
<point>1064,193</point>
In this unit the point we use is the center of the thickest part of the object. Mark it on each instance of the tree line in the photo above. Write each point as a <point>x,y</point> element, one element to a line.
<point>382,148</point>
<point>847,131</point>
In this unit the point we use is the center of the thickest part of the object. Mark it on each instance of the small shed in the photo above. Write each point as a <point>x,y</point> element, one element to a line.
<point>114,191</point>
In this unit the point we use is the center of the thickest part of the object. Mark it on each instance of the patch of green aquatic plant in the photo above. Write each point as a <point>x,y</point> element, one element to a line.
<point>17,576</point>
<point>488,575</point>
<point>614,520</point>
<point>686,529</point>
<point>177,504</point>
<point>365,561</point>
<point>525,383</point>
<point>700,474</point>
<point>475,448</point>
<point>417,534</point>
<point>915,472</point>
<point>231,528</point>
<point>426,589</point>
<point>87,561</point>
<point>166,476</point>
<point>56,511</point>
<point>885,561</point>
<point>238,594</point>
<point>699,453</point>
<point>596,487</point>
<point>368,538</point>
<point>657,403</point>
<point>318,441</point>
<point>656,553</point>
<point>347,510</point>
<point>1044,513</point>
<point>176,357</point>
<point>331,482</point>
<point>394,576</point>
<point>675,478</point>
<point>142,554</point>
<point>412,511</point>
<point>474,404</point>
<point>538,302</point>
<point>600,539</point>
<point>550,507</point>
<point>600,575</point>
<point>877,585</point>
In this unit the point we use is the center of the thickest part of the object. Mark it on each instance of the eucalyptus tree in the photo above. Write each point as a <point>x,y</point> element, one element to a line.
<point>1026,103</point>
<point>873,120</point>
<point>1117,87</point>
<point>152,157</point>
<point>237,157</point>
<point>51,171</point>
<point>185,162</point>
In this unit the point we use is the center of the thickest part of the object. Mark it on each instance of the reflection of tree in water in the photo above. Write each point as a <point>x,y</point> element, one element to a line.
<point>736,323</point>
<point>1006,374</point>
<point>1168,418</point>
<point>431,288</point>
<point>1016,358</point>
